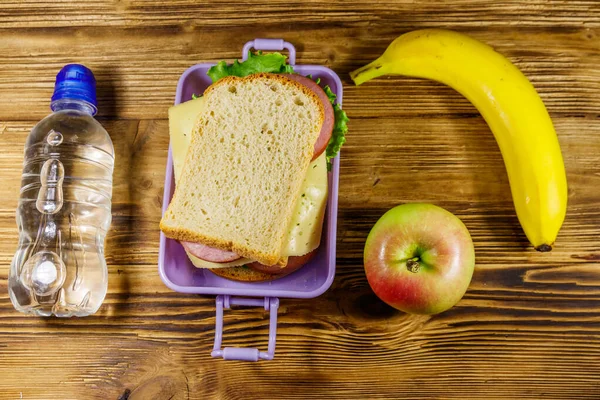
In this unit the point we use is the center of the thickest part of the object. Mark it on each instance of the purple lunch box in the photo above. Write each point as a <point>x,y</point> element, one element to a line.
<point>313,279</point>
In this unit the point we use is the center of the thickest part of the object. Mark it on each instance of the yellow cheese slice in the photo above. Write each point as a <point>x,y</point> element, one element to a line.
<point>182,119</point>
<point>200,263</point>
<point>304,234</point>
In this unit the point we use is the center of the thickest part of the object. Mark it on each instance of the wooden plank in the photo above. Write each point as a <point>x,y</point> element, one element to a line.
<point>560,60</point>
<point>527,327</point>
<point>405,13</point>
<point>457,163</point>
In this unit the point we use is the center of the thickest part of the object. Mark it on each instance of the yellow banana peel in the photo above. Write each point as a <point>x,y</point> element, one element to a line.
<point>509,104</point>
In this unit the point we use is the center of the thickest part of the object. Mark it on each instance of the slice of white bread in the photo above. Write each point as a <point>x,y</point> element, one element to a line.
<point>249,154</point>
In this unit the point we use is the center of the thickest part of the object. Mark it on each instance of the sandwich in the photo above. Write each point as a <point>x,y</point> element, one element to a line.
<point>250,159</point>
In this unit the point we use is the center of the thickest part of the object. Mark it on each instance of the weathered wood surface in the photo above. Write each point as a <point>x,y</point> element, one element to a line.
<point>529,326</point>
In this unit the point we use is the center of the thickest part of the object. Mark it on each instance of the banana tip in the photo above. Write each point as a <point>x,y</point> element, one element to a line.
<point>544,248</point>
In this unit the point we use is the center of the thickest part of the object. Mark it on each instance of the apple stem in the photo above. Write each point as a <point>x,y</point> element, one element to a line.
<point>413,265</point>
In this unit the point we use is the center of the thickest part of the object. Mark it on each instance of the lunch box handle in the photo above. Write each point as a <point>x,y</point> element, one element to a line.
<point>270,304</point>
<point>270,44</point>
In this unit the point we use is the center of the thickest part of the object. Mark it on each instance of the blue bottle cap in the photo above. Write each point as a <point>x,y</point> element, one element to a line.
<point>75,81</point>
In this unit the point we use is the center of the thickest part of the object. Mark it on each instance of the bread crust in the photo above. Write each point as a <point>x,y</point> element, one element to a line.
<point>246,274</point>
<point>281,78</point>
<point>186,235</point>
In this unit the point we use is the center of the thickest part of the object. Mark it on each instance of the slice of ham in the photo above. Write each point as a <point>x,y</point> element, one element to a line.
<point>327,128</point>
<point>208,253</point>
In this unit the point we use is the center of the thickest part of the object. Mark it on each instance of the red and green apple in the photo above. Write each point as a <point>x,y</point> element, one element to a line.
<point>419,258</point>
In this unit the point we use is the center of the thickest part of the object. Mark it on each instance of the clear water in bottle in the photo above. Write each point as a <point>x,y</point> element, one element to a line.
<point>64,209</point>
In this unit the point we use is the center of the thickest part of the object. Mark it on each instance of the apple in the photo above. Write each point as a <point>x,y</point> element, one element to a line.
<point>419,258</point>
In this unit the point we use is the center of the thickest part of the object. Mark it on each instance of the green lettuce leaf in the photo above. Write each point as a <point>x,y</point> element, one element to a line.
<point>272,62</point>
<point>340,128</point>
<point>330,95</point>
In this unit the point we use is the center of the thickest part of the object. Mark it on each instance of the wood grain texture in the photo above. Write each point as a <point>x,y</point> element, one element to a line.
<point>529,325</point>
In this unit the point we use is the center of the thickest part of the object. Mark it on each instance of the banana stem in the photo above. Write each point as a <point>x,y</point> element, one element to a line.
<point>370,71</point>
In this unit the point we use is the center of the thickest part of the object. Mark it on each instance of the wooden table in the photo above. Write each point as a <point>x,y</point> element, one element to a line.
<point>529,326</point>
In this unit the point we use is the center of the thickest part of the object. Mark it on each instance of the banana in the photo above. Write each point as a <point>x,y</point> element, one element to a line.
<point>509,104</point>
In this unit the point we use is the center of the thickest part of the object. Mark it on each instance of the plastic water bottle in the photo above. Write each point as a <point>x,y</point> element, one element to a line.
<point>64,209</point>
